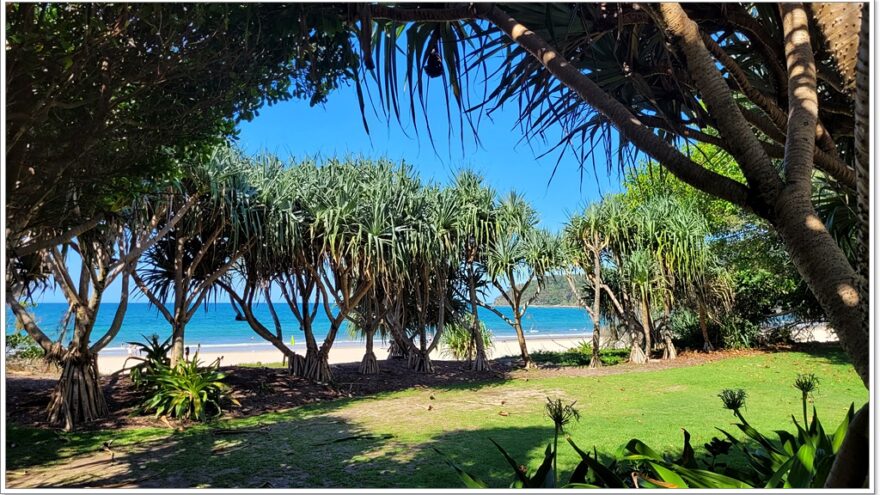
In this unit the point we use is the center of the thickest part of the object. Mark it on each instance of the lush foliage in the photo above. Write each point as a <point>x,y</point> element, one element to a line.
<point>186,391</point>
<point>151,357</point>
<point>580,355</point>
<point>19,345</point>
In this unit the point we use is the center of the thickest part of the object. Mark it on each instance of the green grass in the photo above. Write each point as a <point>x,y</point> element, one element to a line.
<point>395,432</point>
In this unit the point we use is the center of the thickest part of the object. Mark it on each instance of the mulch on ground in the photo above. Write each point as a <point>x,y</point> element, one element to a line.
<point>262,390</point>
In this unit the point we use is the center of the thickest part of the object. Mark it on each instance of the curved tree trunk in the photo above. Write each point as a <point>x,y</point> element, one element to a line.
<point>78,397</point>
<point>521,339</point>
<point>828,273</point>
<point>851,466</point>
<point>369,365</point>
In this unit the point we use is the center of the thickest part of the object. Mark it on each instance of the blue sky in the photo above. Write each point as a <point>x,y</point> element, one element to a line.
<point>334,128</point>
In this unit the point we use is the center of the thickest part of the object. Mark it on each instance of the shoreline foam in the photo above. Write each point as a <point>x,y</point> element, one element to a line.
<point>352,352</point>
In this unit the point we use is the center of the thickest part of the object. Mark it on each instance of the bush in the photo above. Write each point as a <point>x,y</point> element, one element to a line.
<point>154,355</point>
<point>685,326</point>
<point>580,356</point>
<point>187,391</point>
<point>738,333</point>
<point>20,345</point>
<point>456,340</point>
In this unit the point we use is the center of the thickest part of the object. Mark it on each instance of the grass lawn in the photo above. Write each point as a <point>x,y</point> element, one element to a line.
<point>388,440</point>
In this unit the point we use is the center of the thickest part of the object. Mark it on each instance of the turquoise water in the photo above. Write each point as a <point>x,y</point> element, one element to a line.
<point>215,325</point>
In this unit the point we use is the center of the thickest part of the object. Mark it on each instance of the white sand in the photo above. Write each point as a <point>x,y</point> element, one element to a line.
<point>346,352</point>
<point>349,352</point>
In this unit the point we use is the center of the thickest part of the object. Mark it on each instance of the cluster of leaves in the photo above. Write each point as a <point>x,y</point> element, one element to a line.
<point>791,460</point>
<point>20,345</point>
<point>457,342</point>
<point>152,355</point>
<point>132,89</point>
<point>580,356</point>
<point>186,391</point>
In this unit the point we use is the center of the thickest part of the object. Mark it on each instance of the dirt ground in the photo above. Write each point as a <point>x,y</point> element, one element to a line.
<point>262,390</point>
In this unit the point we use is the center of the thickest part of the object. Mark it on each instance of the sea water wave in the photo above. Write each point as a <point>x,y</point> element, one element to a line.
<point>216,326</point>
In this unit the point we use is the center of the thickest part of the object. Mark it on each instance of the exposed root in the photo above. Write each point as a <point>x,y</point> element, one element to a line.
<point>316,368</point>
<point>77,397</point>
<point>480,362</point>
<point>637,355</point>
<point>420,362</point>
<point>369,364</point>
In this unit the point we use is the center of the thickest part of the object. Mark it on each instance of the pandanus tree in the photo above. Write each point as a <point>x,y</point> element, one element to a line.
<point>181,271</point>
<point>767,83</point>
<point>519,256</point>
<point>585,246</point>
<point>106,252</point>
<point>275,220</point>
<point>476,228</point>
<point>676,235</point>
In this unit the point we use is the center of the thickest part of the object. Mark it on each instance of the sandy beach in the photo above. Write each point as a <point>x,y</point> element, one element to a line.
<point>342,352</point>
<point>348,352</point>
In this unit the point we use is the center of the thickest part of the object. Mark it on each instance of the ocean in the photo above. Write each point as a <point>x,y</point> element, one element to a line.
<point>214,326</point>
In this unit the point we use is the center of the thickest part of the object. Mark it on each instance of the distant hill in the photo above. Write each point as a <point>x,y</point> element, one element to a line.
<point>556,292</point>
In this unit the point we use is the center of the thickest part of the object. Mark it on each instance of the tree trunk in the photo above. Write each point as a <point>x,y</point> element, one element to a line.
<point>827,272</point>
<point>316,367</point>
<point>646,327</point>
<point>704,326</point>
<point>595,360</point>
<point>177,342</point>
<point>78,397</point>
<point>851,466</point>
<point>369,365</point>
<point>480,361</point>
<point>636,354</point>
<point>521,339</point>
<point>420,362</point>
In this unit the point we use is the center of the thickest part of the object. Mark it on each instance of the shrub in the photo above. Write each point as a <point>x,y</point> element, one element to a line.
<point>738,333</point>
<point>154,355</point>
<point>580,356</point>
<point>187,391</point>
<point>20,345</point>
<point>456,340</point>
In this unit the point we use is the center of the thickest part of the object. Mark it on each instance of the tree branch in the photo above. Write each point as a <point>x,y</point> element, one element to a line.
<point>803,102</point>
<point>629,125</point>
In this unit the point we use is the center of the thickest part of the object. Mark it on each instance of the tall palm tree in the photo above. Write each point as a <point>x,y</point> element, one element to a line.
<point>586,245</point>
<point>476,227</point>
<point>203,246</point>
<point>106,252</point>
<point>519,256</point>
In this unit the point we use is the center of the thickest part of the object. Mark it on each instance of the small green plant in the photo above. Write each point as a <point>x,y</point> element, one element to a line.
<point>187,391</point>
<point>561,415</point>
<point>801,460</point>
<point>807,383</point>
<point>580,355</point>
<point>734,400</point>
<point>153,354</point>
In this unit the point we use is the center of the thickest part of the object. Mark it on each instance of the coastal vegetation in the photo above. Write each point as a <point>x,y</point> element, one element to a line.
<point>740,131</point>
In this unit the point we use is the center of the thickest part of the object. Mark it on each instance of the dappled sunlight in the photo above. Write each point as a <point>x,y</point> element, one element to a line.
<point>848,294</point>
<point>814,223</point>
